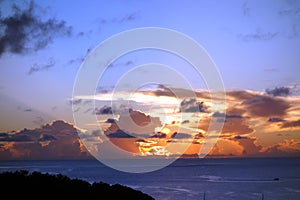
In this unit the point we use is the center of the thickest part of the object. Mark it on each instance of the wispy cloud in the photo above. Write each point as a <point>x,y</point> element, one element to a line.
<point>246,9</point>
<point>25,109</point>
<point>127,63</point>
<point>41,67</point>
<point>258,36</point>
<point>24,30</point>
<point>122,19</point>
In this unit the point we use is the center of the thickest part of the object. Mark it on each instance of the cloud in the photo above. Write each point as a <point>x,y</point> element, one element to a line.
<point>246,9</point>
<point>105,110</point>
<point>275,119</point>
<point>122,19</point>
<point>24,31</point>
<point>16,138</point>
<point>110,121</point>
<point>285,148</point>
<point>191,105</point>
<point>41,67</point>
<point>237,126</point>
<point>119,134</point>
<point>266,106</point>
<point>39,121</point>
<point>258,36</point>
<point>25,109</point>
<point>180,135</point>
<point>57,140</point>
<point>249,146</point>
<point>279,91</point>
<point>138,122</point>
<point>79,59</point>
<point>127,63</point>
<point>291,124</point>
<point>291,11</point>
<point>234,124</point>
<point>218,114</point>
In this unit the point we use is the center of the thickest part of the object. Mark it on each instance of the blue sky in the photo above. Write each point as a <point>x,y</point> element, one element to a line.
<point>255,45</point>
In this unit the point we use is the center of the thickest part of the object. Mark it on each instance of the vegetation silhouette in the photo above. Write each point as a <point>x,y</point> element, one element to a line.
<point>36,185</point>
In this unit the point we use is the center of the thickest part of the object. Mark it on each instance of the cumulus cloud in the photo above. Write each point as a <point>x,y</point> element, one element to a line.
<point>139,123</point>
<point>285,148</point>
<point>250,148</point>
<point>279,91</point>
<point>58,140</point>
<point>24,30</point>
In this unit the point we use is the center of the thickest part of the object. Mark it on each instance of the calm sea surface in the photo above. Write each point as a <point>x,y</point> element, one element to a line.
<point>255,178</point>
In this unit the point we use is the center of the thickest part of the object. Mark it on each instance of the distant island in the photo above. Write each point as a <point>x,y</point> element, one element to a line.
<point>38,185</point>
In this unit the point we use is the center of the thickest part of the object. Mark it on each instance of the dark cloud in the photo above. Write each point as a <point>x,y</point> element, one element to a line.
<point>290,124</point>
<point>275,119</point>
<point>46,137</point>
<point>180,136</point>
<point>41,67</point>
<point>191,105</point>
<point>110,121</point>
<point>120,109</point>
<point>16,138</point>
<point>218,114</point>
<point>119,134</point>
<point>105,110</point>
<point>185,122</point>
<point>24,31</point>
<point>159,135</point>
<point>279,91</point>
<point>258,36</point>
<point>238,137</point>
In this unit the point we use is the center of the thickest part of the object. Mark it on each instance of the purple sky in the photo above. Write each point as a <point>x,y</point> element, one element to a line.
<point>255,45</point>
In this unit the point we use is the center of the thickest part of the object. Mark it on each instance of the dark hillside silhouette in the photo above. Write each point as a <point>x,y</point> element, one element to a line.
<point>36,185</point>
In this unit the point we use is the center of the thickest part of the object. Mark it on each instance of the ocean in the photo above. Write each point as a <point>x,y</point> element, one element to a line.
<point>209,179</point>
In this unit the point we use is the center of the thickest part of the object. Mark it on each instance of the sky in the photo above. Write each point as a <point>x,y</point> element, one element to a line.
<point>254,45</point>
